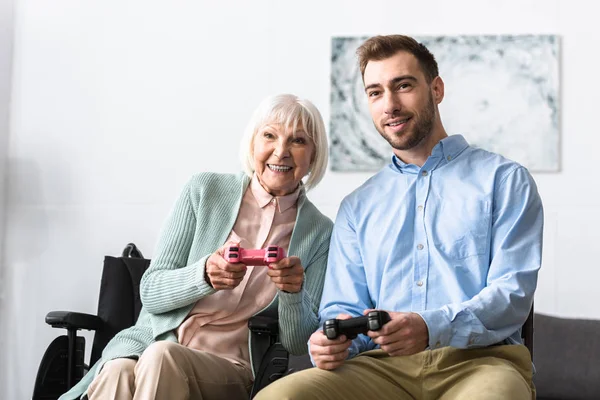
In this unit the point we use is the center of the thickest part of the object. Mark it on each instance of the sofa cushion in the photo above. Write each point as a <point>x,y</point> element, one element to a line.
<point>566,356</point>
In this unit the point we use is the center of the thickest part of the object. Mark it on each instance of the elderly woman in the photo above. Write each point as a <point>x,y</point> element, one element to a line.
<point>191,339</point>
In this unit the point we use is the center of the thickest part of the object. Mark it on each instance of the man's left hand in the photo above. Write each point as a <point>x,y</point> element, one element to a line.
<point>287,274</point>
<point>404,335</point>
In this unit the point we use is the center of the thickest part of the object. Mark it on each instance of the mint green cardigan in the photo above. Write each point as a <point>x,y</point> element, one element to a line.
<point>199,224</point>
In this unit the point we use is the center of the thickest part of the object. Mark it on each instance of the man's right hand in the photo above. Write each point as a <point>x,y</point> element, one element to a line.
<point>329,354</point>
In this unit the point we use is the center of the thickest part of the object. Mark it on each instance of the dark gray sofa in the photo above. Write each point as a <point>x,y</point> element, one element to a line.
<point>566,355</point>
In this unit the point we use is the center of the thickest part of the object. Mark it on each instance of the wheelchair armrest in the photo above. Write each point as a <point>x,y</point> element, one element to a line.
<point>261,325</point>
<point>74,320</point>
<point>269,358</point>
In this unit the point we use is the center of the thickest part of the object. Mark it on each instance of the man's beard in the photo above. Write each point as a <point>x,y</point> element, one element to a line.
<point>422,126</point>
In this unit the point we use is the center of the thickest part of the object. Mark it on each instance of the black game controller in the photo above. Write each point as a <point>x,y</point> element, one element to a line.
<point>373,321</point>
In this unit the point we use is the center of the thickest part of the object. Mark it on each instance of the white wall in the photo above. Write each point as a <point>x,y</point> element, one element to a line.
<point>6,48</point>
<point>116,103</point>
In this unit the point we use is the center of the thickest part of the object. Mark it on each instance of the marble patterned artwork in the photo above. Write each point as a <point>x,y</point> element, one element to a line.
<point>501,94</point>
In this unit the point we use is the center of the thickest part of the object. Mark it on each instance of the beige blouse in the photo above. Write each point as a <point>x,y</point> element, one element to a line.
<point>218,324</point>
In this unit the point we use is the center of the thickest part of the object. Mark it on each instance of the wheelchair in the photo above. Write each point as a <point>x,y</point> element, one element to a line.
<point>119,305</point>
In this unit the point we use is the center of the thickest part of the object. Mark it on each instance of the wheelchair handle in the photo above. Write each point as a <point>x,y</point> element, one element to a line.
<point>132,251</point>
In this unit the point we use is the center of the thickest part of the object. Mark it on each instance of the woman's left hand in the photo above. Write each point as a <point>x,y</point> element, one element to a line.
<point>287,274</point>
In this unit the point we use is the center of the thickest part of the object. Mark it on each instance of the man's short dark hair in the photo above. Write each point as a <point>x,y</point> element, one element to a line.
<point>381,47</point>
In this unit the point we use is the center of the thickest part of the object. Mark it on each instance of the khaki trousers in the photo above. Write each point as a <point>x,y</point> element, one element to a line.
<point>497,372</point>
<point>168,370</point>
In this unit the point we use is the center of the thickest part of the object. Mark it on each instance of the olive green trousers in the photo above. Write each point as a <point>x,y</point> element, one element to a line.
<point>495,372</point>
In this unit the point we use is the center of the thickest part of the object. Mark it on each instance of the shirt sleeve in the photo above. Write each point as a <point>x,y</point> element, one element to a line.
<point>345,289</point>
<point>500,309</point>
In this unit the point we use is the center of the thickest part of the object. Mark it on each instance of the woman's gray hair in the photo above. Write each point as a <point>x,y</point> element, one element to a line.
<point>293,113</point>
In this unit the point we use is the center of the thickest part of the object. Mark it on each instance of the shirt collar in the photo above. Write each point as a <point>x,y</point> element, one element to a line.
<point>263,198</point>
<point>448,148</point>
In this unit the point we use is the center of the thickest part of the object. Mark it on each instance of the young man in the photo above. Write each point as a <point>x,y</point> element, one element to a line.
<point>447,239</point>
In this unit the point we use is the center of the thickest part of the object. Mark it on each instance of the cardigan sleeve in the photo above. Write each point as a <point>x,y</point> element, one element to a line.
<point>169,283</point>
<point>298,312</point>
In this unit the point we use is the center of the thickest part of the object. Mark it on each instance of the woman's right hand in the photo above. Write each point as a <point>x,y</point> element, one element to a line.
<point>222,275</point>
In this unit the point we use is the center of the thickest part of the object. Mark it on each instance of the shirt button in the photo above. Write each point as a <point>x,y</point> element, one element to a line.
<point>438,344</point>
<point>424,173</point>
<point>420,283</point>
<point>420,247</point>
<point>449,158</point>
<point>420,208</point>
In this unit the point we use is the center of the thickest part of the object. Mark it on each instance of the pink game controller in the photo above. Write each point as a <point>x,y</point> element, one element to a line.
<point>271,254</point>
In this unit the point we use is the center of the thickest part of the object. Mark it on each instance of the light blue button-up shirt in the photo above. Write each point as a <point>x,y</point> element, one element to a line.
<point>458,241</point>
